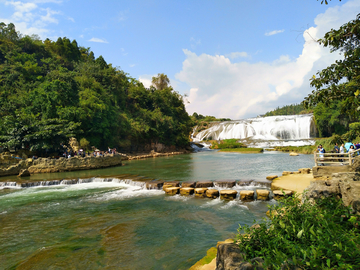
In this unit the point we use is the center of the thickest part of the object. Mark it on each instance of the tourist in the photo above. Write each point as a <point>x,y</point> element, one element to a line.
<point>336,148</point>
<point>342,151</point>
<point>321,152</point>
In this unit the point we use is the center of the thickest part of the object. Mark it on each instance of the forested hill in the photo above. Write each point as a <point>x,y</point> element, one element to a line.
<point>288,110</point>
<point>50,91</point>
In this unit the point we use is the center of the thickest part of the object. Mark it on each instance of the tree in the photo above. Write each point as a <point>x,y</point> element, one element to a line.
<point>161,81</point>
<point>341,80</point>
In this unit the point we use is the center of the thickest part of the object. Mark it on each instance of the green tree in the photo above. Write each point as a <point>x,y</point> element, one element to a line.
<point>160,82</point>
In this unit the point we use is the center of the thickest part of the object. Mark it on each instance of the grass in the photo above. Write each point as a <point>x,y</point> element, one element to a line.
<point>210,255</point>
<point>243,150</point>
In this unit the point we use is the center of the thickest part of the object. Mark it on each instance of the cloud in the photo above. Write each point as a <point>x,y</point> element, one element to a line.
<point>274,32</point>
<point>146,80</point>
<point>30,18</point>
<point>98,40</point>
<point>219,87</point>
<point>235,55</point>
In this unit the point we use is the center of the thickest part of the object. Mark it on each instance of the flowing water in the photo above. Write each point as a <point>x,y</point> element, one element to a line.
<point>113,222</point>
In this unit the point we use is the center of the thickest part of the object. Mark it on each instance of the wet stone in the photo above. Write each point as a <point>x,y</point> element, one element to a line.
<point>188,184</point>
<point>204,184</point>
<point>186,191</point>
<point>200,192</point>
<point>154,184</point>
<point>247,195</point>
<point>280,194</point>
<point>228,194</point>
<point>244,182</point>
<point>225,183</point>
<point>212,193</point>
<point>172,190</point>
<point>262,194</point>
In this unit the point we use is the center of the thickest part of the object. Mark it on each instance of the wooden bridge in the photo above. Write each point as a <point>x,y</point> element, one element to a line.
<point>335,159</point>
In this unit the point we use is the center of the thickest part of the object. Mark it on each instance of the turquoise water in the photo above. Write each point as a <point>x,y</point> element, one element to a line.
<point>120,226</point>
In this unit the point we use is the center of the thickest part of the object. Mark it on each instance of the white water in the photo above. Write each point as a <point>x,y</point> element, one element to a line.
<point>263,131</point>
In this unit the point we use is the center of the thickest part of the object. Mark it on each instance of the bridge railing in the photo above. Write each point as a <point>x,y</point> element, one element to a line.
<point>328,159</point>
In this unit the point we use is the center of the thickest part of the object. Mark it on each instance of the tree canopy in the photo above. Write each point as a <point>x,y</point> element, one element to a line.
<point>50,91</point>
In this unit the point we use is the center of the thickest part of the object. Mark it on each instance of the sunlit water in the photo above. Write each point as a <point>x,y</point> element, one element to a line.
<point>113,225</point>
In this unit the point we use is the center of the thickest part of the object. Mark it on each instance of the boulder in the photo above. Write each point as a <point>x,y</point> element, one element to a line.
<point>304,170</point>
<point>212,193</point>
<point>188,184</point>
<point>186,191</point>
<point>244,182</point>
<point>200,192</point>
<point>262,194</point>
<point>225,183</point>
<point>293,154</point>
<point>271,177</point>
<point>172,190</point>
<point>286,173</point>
<point>247,195</point>
<point>172,183</point>
<point>228,194</point>
<point>166,186</point>
<point>154,184</point>
<point>280,194</point>
<point>24,173</point>
<point>204,184</point>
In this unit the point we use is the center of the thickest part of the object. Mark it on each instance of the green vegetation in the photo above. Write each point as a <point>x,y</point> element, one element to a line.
<point>243,150</point>
<point>323,235</point>
<point>226,144</point>
<point>210,255</point>
<point>201,119</point>
<point>289,110</point>
<point>50,91</point>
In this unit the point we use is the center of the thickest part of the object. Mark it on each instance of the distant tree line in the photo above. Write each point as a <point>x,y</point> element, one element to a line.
<point>50,91</point>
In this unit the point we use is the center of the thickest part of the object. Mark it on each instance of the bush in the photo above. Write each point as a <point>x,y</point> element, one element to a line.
<point>84,144</point>
<point>321,235</point>
<point>225,144</point>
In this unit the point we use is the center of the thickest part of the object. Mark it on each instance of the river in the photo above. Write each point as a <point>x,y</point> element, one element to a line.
<point>119,225</point>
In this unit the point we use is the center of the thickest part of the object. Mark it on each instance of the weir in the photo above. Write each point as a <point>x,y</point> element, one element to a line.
<point>272,128</point>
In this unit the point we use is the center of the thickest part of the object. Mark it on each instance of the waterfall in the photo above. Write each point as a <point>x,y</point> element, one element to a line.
<point>271,128</point>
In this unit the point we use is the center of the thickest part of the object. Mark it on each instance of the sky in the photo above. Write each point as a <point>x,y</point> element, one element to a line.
<point>229,58</point>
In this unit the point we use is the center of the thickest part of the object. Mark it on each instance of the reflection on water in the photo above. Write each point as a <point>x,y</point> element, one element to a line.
<point>112,225</point>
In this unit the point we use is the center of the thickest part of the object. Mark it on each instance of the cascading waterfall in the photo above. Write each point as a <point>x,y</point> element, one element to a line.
<point>265,129</point>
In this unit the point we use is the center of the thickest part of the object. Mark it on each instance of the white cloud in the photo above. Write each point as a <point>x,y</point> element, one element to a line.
<point>146,80</point>
<point>274,32</point>
<point>29,18</point>
<point>98,40</point>
<point>235,55</point>
<point>239,90</point>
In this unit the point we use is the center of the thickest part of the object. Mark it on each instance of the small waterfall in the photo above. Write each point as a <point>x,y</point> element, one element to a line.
<point>272,128</point>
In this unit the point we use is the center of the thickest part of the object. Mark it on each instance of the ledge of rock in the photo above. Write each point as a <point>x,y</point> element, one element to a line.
<point>225,183</point>
<point>212,193</point>
<point>200,192</point>
<point>204,184</point>
<point>293,154</point>
<point>228,194</point>
<point>172,190</point>
<point>247,195</point>
<point>262,194</point>
<point>280,194</point>
<point>271,177</point>
<point>188,184</point>
<point>186,191</point>
<point>158,184</point>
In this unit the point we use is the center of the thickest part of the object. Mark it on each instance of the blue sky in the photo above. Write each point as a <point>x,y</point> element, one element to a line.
<point>232,58</point>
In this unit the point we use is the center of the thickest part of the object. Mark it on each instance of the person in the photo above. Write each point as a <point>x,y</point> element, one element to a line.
<point>322,152</point>
<point>342,151</point>
<point>351,150</point>
<point>336,148</point>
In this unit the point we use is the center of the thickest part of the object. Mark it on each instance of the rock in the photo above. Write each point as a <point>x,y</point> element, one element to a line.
<point>286,173</point>
<point>280,194</point>
<point>200,192</point>
<point>172,183</point>
<point>186,191</point>
<point>325,172</point>
<point>271,177</point>
<point>227,241</point>
<point>154,184</point>
<point>262,194</point>
<point>166,186</point>
<point>74,144</point>
<point>188,184</point>
<point>225,183</point>
<point>212,193</point>
<point>172,190</point>
<point>24,173</point>
<point>304,170</point>
<point>247,195</point>
<point>293,154</point>
<point>228,194</point>
<point>244,182</point>
<point>204,184</point>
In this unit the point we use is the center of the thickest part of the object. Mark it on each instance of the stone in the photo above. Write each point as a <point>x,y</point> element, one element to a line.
<point>229,256</point>
<point>212,193</point>
<point>228,194</point>
<point>186,191</point>
<point>166,186</point>
<point>280,194</point>
<point>200,192</point>
<point>24,173</point>
<point>262,194</point>
<point>244,182</point>
<point>293,154</point>
<point>188,184</point>
<point>271,177</point>
<point>286,173</point>
<point>172,190</point>
<point>154,184</point>
<point>247,195</point>
<point>225,183</point>
<point>204,184</point>
<point>172,183</point>
<point>304,170</point>
<point>325,172</point>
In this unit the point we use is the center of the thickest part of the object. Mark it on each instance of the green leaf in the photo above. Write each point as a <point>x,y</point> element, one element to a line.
<point>300,234</point>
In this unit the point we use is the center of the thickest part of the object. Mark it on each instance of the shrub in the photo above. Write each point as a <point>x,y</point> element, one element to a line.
<point>84,144</point>
<point>321,235</point>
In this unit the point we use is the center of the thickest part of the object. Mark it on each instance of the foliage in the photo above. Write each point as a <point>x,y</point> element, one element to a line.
<point>84,144</point>
<point>57,89</point>
<point>210,255</point>
<point>323,235</point>
<point>292,109</point>
<point>226,144</point>
<point>246,150</point>
<point>341,80</point>
<point>200,119</point>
